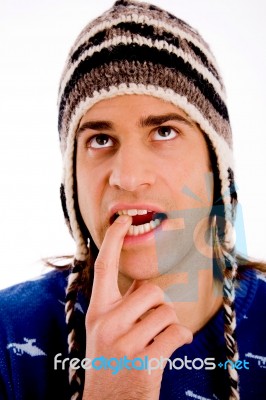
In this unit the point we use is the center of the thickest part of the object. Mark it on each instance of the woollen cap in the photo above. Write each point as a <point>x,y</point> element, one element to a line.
<point>137,48</point>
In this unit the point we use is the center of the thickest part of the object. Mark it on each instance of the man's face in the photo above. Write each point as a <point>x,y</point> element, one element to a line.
<point>139,153</point>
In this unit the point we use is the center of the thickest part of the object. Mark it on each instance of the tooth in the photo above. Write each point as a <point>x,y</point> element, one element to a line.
<point>131,231</point>
<point>152,224</point>
<point>119,212</point>
<point>157,222</point>
<point>124,212</point>
<point>142,212</point>
<point>135,230</point>
<point>141,229</point>
<point>132,212</point>
<point>147,227</point>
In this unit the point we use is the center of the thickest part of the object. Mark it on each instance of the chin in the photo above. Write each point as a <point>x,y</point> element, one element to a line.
<point>136,267</point>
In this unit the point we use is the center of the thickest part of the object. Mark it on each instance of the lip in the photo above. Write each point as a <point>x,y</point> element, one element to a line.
<point>130,206</point>
<point>146,237</point>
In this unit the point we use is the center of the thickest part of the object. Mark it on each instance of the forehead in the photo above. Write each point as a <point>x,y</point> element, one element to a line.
<point>134,106</point>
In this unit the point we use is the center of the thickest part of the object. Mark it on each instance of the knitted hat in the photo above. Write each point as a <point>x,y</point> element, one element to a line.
<point>137,48</point>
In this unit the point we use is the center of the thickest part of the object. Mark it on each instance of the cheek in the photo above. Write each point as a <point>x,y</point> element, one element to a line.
<point>88,197</point>
<point>190,181</point>
<point>203,179</point>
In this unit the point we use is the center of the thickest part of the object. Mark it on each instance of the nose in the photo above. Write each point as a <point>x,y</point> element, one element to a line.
<point>132,169</point>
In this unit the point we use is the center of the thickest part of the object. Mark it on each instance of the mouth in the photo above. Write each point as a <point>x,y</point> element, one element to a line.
<point>143,221</point>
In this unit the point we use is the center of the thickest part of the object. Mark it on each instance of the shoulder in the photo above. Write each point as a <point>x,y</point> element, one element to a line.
<point>41,295</point>
<point>251,333</point>
<point>32,331</point>
<point>251,310</point>
<point>261,281</point>
<point>255,296</point>
<point>251,292</point>
<point>251,286</point>
<point>54,280</point>
<point>32,312</point>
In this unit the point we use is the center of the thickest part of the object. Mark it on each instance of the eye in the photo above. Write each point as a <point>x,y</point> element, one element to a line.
<point>165,133</point>
<point>100,141</point>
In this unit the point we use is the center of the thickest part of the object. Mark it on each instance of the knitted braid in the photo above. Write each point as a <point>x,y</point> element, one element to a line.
<point>80,279</point>
<point>232,354</point>
<point>78,273</point>
<point>74,345</point>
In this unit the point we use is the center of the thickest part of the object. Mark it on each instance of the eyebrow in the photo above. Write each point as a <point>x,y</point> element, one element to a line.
<point>95,125</point>
<point>153,120</point>
<point>150,120</point>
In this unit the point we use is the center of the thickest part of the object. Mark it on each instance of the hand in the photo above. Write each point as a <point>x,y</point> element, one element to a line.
<point>137,324</point>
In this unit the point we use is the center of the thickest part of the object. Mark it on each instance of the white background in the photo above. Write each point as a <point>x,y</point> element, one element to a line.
<point>34,41</point>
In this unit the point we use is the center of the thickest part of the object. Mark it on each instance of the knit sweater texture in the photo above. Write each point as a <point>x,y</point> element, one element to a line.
<point>33,331</point>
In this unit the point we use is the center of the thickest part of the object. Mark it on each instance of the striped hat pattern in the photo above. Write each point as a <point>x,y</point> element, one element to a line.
<point>137,48</point>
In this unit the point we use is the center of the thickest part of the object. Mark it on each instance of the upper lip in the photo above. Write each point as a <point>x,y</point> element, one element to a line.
<point>133,206</point>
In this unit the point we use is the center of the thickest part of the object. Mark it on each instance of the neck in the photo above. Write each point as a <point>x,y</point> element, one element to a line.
<point>196,297</point>
<point>191,288</point>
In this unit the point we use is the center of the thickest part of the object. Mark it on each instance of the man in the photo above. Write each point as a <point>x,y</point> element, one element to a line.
<point>148,194</point>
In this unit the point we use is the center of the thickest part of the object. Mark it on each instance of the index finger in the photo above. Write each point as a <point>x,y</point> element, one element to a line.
<point>105,289</point>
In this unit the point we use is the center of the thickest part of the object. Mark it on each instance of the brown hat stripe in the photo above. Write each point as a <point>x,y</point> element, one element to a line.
<point>124,53</point>
<point>148,32</point>
<point>146,74</point>
<point>140,14</point>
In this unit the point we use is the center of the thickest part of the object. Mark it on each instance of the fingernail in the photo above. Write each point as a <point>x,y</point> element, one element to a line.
<point>122,219</point>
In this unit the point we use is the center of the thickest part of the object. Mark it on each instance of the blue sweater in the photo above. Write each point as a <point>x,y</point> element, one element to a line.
<point>33,331</point>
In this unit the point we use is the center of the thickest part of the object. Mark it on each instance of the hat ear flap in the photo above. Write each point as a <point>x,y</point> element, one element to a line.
<point>64,207</point>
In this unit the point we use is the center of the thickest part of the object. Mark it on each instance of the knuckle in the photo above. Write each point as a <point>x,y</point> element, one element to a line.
<point>100,266</point>
<point>102,327</point>
<point>188,336</point>
<point>102,331</point>
<point>183,334</point>
<point>91,320</point>
<point>98,327</point>
<point>168,313</point>
<point>122,347</point>
<point>150,289</point>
